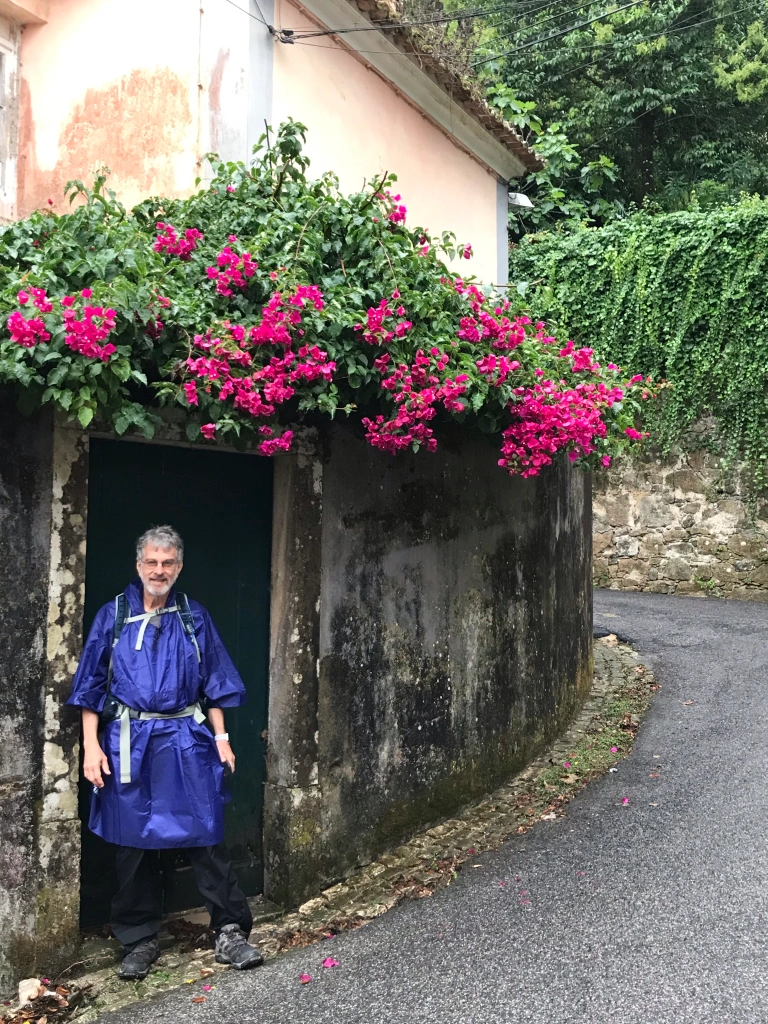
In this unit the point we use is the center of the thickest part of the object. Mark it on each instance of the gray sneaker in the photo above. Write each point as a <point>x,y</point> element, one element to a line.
<point>137,962</point>
<point>232,947</point>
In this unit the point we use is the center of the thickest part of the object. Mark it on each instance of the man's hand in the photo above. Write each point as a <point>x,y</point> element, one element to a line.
<point>94,763</point>
<point>226,753</point>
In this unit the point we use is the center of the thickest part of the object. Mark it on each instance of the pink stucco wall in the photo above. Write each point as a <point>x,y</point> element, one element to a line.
<point>359,126</point>
<point>107,83</point>
<point>147,88</point>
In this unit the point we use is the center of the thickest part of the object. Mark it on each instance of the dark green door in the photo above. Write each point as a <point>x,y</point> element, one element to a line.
<point>221,504</point>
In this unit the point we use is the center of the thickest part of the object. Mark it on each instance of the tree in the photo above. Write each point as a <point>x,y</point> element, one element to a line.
<point>668,97</point>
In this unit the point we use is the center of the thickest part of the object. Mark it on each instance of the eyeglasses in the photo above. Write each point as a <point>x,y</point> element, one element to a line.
<point>152,563</point>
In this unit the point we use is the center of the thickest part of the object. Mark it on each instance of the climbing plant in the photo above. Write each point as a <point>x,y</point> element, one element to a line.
<point>679,296</point>
<point>267,300</point>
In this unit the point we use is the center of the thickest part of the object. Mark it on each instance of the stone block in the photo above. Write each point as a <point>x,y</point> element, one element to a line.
<point>676,569</point>
<point>626,547</point>
<point>744,565</point>
<point>681,549</point>
<point>688,481</point>
<point>601,541</point>
<point>732,507</point>
<point>653,511</point>
<point>617,511</point>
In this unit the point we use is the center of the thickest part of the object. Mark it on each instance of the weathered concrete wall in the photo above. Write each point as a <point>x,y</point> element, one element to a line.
<point>25,517</point>
<point>42,489</point>
<point>679,525</point>
<point>455,632</point>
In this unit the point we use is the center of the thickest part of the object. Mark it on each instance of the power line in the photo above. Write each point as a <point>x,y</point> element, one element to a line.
<point>468,13</point>
<point>684,26</point>
<point>260,18</point>
<point>556,35</point>
<point>393,26</point>
<point>535,28</point>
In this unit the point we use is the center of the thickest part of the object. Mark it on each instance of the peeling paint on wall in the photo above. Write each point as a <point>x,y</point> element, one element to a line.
<point>136,125</point>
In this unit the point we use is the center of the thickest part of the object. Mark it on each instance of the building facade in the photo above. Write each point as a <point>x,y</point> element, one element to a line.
<point>147,89</point>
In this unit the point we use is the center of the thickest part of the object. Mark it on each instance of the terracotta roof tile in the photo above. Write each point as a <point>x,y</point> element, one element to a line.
<point>465,94</point>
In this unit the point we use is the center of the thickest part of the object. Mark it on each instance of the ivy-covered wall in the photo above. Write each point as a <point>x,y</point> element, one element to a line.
<point>681,297</point>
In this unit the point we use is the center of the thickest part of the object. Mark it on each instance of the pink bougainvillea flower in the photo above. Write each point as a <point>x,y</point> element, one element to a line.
<point>606,460</point>
<point>305,978</point>
<point>231,188</point>
<point>86,293</point>
<point>330,962</point>
<point>467,252</point>
<point>208,430</point>
<point>634,434</point>
<point>22,298</point>
<point>68,300</point>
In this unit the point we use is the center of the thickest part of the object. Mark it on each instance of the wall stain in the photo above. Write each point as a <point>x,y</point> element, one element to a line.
<point>136,126</point>
<point>214,99</point>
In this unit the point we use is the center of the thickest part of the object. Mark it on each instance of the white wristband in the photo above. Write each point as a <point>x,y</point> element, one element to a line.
<point>222,736</point>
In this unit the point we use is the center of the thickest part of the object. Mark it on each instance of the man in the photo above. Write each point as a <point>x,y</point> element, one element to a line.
<point>158,775</point>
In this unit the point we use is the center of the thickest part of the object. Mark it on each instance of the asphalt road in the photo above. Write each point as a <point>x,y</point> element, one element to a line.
<point>645,914</point>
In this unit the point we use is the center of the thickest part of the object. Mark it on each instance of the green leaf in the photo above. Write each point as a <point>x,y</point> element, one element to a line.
<point>84,415</point>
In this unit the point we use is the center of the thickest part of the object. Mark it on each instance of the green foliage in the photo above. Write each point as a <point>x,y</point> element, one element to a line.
<point>680,296</point>
<point>671,93</point>
<point>174,337</point>
<point>567,192</point>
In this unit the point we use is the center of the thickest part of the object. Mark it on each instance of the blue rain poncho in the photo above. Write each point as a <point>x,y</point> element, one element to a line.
<point>176,795</point>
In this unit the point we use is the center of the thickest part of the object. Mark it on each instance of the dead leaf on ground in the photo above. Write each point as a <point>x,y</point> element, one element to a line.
<point>199,999</point>
<point>570,779</point>
<point>687,703</point>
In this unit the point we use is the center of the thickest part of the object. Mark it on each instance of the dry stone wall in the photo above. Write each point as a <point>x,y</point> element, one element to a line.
<point>679,525</point>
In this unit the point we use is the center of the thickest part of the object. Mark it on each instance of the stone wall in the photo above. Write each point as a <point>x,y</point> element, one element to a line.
<point>455,632</point>
<point>679,525</point>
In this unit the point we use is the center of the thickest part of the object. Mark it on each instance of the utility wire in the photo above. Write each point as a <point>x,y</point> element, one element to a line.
<point>467,14</point>
<point>392,26</point>
<point>686,26</point>
<point>260,18</point>
<point>556,35</point>
<point>512,33</point>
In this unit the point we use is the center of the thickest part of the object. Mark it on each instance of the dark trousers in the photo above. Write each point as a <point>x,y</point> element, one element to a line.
<point>137,908</point>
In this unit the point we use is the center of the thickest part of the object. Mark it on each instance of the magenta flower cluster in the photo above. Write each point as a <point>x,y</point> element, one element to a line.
<point>551,417</point>
<point>416,391</point>
<point>383,323</point>
<point>84,335</point>
<point>170,243</point>
<point>227,369</point>
<point>232,270</point>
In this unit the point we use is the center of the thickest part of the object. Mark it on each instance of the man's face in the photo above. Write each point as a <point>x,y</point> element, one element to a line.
<point>158,569</point>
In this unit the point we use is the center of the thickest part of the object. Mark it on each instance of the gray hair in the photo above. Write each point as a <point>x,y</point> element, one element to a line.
<point>162,537</point>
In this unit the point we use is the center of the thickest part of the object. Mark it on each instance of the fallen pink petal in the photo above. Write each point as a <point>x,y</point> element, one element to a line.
<point>330,962</point>
<point>566,764</point>
<point>305,978</point>
<point>207,988</point>
<point>625,800</point>
<point>614,750</point>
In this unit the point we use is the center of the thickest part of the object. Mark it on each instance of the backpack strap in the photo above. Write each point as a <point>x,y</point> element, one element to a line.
<point>187,621</point>
<point>121,617</point>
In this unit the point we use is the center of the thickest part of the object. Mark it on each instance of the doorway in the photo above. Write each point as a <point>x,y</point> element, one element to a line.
<point>221,504</point>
